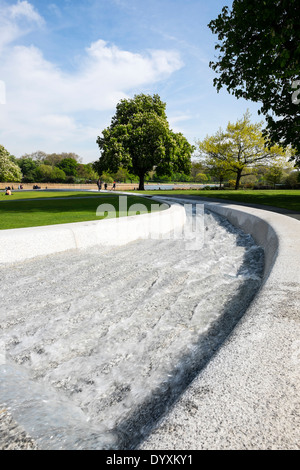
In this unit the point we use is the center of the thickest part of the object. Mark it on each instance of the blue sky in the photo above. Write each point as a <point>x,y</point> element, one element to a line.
<point>65,65</point>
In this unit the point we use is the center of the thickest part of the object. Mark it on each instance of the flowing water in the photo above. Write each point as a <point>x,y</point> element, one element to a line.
<point>97,344</point>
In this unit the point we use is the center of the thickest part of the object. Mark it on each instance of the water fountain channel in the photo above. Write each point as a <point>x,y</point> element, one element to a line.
<point>100,343</point>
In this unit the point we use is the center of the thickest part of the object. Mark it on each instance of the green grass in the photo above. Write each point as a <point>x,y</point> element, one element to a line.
<point>286,198</point>
<point>23,212</point>
<point>37,194</point>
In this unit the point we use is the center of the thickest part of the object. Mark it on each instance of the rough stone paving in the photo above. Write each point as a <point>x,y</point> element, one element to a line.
<point>12,436</point>
<point>118,332</point>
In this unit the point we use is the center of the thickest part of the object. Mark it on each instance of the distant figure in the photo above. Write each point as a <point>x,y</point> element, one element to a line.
<point>99,184</point>
<point>114,185</point>
<point>105,186</point>
<point>8,191</point>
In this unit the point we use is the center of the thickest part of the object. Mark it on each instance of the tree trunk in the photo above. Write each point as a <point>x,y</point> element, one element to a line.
<point>142,182</point>
<point>238,179</point>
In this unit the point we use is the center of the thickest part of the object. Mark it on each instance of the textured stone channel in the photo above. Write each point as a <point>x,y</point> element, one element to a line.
<point>99,343</point>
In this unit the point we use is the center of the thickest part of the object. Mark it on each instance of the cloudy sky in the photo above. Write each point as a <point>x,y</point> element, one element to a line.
<point>64,66</point>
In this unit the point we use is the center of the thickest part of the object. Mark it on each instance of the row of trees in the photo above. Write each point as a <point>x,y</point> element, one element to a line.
<point>259,57</point>
<point>42,167</point>
<point>259,60</point>
<point>238,154</point>
<point>139,141</point>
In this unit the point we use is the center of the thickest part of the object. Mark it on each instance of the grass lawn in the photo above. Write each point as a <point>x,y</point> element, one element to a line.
<point>285,198</point>
<point>28,210</point>
<point>38,194</point>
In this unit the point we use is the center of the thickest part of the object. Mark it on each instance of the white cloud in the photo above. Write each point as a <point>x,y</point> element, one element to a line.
<point>45,102</point>
<point>25,10</point>
<point>16,21</point>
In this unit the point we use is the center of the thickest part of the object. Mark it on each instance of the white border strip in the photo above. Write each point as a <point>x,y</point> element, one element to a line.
<point>17,245</point>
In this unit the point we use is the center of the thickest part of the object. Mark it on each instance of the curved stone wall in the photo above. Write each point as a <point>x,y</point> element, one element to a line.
<point>247,397</point>
<point>17,245</point>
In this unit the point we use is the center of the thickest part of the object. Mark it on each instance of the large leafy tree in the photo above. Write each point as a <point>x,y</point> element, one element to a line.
<point>139,139</point>
<point>9,171</point>
<point>69,166</point>
<point>239,150</point>
<point>28,168</point>
<point>259,60</point>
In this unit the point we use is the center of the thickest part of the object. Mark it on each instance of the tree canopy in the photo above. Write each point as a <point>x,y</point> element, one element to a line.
<point>139,139</point>
<point>259,60</point>
<point>69,166</point>
<point>239,150</point>
<point>9,171</point>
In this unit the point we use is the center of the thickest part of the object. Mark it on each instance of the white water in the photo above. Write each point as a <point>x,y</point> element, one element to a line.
<point>99,343</point>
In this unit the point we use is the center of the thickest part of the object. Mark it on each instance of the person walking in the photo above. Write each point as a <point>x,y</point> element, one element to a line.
<point>99,184</point>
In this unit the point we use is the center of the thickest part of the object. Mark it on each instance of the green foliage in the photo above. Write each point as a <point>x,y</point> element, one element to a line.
<point>292,180</point>
<point>86,172</point>
<point>274,175</point>
<point>106,177</point>
<point>47,174</point>
<point>69,166</point>
<point>57,175</point>
<point>28,168</point>
<point>139,140</point>
<point>9,171</point>
<point>259,60</point>
<point>239,151</point>
<point>201,178</point>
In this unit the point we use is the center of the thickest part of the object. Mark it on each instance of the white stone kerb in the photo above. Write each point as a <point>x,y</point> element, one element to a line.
<point>17,245</point>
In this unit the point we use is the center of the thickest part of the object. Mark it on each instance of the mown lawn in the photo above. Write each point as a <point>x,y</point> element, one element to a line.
<point>41,194</point>
<point>286,199</point>
<point>23,212</point>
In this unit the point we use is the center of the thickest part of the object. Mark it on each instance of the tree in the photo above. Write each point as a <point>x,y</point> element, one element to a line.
<point>47,174</point>
<point>197,167</point>
<point>259,44</point>
<point>38,156</point>
<point>86,171</point>
<point>28,168</point>
<point>274,174</point>
<point>201,178</point>
<point>121,175</point>
<point>57,175</point>
<point>9,171</point>
<point>139,139</point>
<point>69,166</point>
<point>240,150</point>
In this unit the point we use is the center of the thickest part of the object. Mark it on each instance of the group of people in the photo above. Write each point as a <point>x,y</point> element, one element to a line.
<point>8,189</point>
<point>99,184</point>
